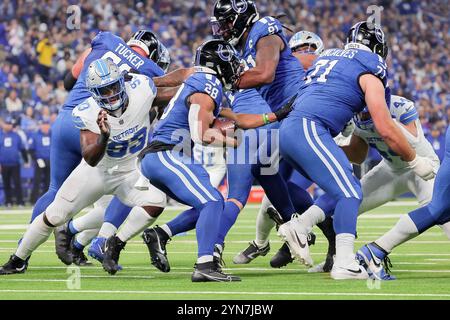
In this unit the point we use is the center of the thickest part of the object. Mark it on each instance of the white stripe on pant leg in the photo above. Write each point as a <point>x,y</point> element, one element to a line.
<point>336,163</point>
<point>192,175</point>
<point>185,181</point>
<point>324,160</point>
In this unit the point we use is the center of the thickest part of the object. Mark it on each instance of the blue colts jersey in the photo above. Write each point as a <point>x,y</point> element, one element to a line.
<point>289,74</point>
<point>333,94</point>
<point>107,45</point>
<point>173,128</point>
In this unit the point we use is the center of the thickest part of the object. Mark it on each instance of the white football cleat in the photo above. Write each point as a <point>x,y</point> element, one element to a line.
<point>296,236</point>
<point>318,268</point>
<point>351,271</point>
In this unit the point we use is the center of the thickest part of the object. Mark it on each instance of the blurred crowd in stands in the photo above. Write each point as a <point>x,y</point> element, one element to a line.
<point>40,40</point>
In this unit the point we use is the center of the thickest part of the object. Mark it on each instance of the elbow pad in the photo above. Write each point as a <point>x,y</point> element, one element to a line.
<point>69,81</point>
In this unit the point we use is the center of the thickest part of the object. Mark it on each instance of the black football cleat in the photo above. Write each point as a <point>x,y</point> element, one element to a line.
<point>210,272</point>
<point>113,247</point>
<point>282,258</point>
<point>156,240</point>
<point>63,239</point>
<point>14,265</point>
<point>275,216</point>
<point>251,253</point>
<point>79,258</point>
<point>218,256</point>
<point>328,230</point>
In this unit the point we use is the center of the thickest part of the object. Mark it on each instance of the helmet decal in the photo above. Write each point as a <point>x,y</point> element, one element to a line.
<point>239,8</point>
<point>225,55</point>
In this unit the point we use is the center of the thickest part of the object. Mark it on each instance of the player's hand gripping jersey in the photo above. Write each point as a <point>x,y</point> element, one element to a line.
<point>107,45</point>
<point>404,112</point>
<point>129,132</point>
<point>333,94</point>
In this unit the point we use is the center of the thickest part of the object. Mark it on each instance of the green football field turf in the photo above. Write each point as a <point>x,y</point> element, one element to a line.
<point>422,267</point>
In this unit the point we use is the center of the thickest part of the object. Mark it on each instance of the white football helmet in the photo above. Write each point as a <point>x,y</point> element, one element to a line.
<point>306,38</point>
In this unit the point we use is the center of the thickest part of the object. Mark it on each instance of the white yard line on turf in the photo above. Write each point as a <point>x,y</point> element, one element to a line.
<point>234,293</point>
<point>181,208</point>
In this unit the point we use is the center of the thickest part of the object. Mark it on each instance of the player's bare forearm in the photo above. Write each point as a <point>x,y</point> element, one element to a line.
<point>93,147</point>
<point>250,121</point>
<point>267,58</point>
<point>357,150</point>
<point>386,127</point>
<point>174,78</point>
<point>164,95</point>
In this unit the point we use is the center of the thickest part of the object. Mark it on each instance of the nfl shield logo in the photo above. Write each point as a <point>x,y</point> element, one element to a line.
<point>121,121</point>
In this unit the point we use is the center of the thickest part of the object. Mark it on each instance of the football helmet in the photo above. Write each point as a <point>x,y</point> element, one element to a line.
<point>370,35</point>
<point>155,50</point>
<point>220,57</point>
<point>106,84</point>
<point>231,18</point>
<point>308,39</point>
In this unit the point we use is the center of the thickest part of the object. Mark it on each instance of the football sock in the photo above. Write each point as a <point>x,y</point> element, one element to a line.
<point>345,243</point>
<point>227,220</point>
<point>91,220</point>
<point>137,221</point>
<point>107,230</point>
<point>85,237</point>
<point>116,212</point>
<point>207,227</point>
<point>312,217</point>
<point>167,230</point>
<point>404,230</point>
<point>205,258</point>
<point>183,222</point>
<point>37,233</point>
<point>345,215</point>
<point>446,228</point>
<point>263,224</point>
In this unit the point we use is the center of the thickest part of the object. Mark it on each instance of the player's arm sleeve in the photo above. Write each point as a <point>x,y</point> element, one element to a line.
<point>83,118</point>
<point>410,114</point>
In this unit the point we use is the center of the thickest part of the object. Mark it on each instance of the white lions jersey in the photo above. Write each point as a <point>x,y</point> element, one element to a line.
<point>403,112</point>
<point>129,132</point>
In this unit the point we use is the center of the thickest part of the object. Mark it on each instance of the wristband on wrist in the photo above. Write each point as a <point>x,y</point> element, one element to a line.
<point>266,118</point>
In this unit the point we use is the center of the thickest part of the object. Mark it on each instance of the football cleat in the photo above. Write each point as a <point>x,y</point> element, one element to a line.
<point>97,249</point>
<point>113,247</point>
<point>14,265</point>
<point>218,256</point>
<point>296,237</point>
<point>156,240</point>
<point>275,216</point>
<point>79,258</point>
<point>282,258</point>
<point>351,271</point>
<point>251,253</point>
<point>324,266</point>
<point>210,272</point>
<point>375,260</point>
<point>63,238</point>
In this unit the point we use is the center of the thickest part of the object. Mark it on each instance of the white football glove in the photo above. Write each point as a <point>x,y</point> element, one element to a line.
<point>423,167</point>
<point>348,129</point>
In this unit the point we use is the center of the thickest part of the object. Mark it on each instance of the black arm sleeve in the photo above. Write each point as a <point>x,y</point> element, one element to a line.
<point>24,155</point>
<point>69,81</point>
